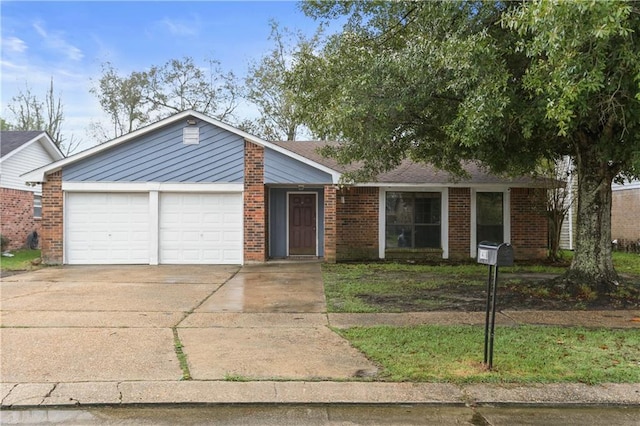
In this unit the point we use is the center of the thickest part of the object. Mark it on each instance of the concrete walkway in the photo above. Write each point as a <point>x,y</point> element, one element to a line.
<point>260,334</point>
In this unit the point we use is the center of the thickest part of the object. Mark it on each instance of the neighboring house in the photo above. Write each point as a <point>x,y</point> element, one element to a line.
<point>20,211</point>
<point>190,189</point>
<point>566,172</point>
<point>625,215</point>
<point>625,211</point>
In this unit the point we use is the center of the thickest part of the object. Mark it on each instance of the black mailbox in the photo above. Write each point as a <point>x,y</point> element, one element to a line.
<point>495,254</point>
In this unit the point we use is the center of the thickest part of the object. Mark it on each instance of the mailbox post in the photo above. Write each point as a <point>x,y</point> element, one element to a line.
<point>494,255</point>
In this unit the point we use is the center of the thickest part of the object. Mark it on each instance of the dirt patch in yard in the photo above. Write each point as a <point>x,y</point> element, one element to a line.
<point>523,292</point>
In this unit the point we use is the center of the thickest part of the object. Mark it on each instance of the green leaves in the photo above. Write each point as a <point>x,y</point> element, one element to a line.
<point>577,50</point>
<point>444,82</point>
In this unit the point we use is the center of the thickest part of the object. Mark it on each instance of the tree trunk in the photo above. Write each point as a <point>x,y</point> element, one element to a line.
<point>592,264</point>
<point>556,220</point>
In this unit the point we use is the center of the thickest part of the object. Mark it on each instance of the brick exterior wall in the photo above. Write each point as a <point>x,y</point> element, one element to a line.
<point>356,224</point>
<point>529,223</point>
<point>625,210</point>
<point>255,211</point>
<point>459,223</point>
<point>51,237</point>
<point>16,214</point>
<point>330,193</point>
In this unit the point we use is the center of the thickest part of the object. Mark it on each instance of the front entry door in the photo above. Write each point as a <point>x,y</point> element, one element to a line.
<point>302,224</point>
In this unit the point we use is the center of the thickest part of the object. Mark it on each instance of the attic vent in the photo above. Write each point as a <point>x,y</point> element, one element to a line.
<point>191,135</point>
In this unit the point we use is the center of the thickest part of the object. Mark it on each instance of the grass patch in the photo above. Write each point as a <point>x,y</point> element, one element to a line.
<point>627,263</point>
<point>21,261</point>
<point>182,357</point>
<point>236,378</point>
<point>527,354</point>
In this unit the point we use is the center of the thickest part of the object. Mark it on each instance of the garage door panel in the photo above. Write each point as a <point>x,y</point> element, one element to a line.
<point>212,217</point>
<point>193,228</point>
<point>107,228</point>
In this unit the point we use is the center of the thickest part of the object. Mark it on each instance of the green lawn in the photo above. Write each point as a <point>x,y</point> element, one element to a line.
<point>21,261</point>
<point>627,263</point>
<point>526,354</point>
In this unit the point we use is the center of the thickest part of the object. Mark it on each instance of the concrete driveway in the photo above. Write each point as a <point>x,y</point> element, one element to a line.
<point>121,323</point>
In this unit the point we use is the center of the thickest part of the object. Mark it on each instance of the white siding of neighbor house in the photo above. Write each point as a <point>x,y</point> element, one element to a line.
<point>568,230</point>
<point>28,158</point>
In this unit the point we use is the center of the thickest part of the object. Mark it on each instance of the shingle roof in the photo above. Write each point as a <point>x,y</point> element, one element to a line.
<point>11,140</point>
<point>408,172</point>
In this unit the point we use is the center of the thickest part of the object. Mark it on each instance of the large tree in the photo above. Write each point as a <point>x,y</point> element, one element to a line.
<point>31,112</point>
<point>181,84</point>
<point>123,100</point>
<point>133,100</point>
<point>506,83</point>
<point>268,89</point>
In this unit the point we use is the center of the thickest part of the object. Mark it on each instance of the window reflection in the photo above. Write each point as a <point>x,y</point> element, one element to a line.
<point>413,219</point>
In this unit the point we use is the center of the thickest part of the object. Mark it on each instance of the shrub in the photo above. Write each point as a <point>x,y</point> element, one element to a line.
<point>4,242</point>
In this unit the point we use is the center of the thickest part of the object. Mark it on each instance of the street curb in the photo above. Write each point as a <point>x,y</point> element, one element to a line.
<point>60,395</point>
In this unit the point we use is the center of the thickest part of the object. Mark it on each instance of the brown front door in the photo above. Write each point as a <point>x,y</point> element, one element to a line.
<point>302,224</point>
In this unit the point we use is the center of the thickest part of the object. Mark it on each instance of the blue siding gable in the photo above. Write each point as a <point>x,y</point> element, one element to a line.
<point>160,156</point>
<point>279,168</point>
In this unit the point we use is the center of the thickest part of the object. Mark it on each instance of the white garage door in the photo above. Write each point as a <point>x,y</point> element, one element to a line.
<point>107,228</point>
<point>200,228</point>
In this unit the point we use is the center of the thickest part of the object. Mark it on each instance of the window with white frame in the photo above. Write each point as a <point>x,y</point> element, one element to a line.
<point>37,205</point>
<point>490,217</point>
<point>413,220</point>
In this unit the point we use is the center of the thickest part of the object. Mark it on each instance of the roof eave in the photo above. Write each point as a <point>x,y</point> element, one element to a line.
<point>450,184</point>
<point>46,142</point>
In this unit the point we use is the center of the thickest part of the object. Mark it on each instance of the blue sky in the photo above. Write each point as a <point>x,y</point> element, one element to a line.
<point>70,40</point>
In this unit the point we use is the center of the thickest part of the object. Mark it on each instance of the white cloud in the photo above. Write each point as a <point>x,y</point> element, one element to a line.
<point>14,44</point>
<point>56,41</point>
<point>180,28</point>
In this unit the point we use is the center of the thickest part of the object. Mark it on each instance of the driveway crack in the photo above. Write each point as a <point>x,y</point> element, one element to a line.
<point>177,343</point>
<point>8,394</point>
<point>46,290</point>
<point>182,357</point>
<point>192,310</point>
<point>48,394</point>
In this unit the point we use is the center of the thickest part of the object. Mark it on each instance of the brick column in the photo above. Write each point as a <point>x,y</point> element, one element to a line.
<point>330,229</point>
<point>529,223</point>
<point>51,237</point>
<point>255,217</point>
<point>459,223</point>
<point>357,224</point>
